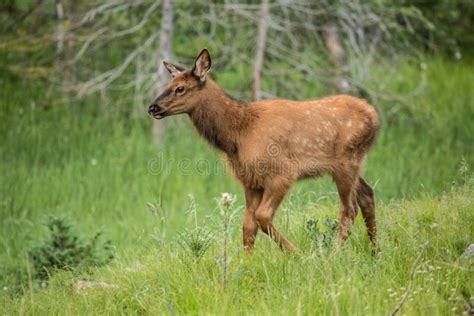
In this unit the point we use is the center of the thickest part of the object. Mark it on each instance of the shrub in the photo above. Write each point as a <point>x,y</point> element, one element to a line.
<point>195,241</point>
<point>322,238</point>
<point>66,249</point>
<point>198,240</point>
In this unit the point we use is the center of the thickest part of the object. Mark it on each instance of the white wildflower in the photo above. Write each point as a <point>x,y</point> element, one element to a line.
<point>227,198</point>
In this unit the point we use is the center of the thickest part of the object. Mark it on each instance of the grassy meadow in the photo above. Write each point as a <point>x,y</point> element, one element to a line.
<point>95,162</point>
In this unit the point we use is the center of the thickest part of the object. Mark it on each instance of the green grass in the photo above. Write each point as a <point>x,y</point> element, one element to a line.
<point>344,281</point>
<point>97,164</point>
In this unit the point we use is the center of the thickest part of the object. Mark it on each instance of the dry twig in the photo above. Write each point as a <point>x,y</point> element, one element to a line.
<point>410,282</point>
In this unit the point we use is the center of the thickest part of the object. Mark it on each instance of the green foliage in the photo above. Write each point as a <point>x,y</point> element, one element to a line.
<point>195,241</point>
<point>452,22</point>
<point>66,249</point>
<point>464,171</point>
<point>198,240</point>
<point>296,52</point>
<point>322,238</point>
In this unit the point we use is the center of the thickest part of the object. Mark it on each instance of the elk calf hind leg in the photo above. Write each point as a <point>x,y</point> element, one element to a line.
<point>346,183</point>
<point>366,201</point>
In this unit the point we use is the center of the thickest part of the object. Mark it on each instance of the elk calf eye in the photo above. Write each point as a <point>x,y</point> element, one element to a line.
<point>179,89</point>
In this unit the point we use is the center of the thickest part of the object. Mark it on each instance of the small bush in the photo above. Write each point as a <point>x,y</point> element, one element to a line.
<point>195,241</point>
<point>322,238</point>
<point>66,249</point>
<point>198,240</point>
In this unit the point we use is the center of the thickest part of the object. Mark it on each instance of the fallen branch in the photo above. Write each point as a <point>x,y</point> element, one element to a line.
<point>410,282</point>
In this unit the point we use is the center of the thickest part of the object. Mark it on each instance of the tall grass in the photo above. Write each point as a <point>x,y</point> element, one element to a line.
<point>347,281</point>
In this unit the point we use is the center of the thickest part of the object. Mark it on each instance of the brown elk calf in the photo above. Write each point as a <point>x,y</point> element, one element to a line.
<point>271,144</point>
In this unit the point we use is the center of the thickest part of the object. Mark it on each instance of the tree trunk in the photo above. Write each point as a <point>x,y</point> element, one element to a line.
<point>70,49</point>
<point>64,46</point>
<point>336,51</point>
<point>37,12</point>
<point>166,33</point>
<point>60,37</point>
<point>260,53</point>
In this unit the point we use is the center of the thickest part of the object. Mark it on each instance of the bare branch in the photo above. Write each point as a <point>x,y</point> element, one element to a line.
<point>103,80</point>
<point>410,282</point>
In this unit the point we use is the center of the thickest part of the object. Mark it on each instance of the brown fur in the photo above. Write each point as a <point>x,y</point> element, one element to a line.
<point>271,144</point>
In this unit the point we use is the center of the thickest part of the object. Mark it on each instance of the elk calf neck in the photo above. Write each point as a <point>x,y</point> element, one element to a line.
<point>271,144</point>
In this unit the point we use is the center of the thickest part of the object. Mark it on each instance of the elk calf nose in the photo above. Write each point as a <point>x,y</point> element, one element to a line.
<point>153,109</point>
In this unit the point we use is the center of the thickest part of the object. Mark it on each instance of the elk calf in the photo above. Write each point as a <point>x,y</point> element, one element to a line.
<point>271,144</point>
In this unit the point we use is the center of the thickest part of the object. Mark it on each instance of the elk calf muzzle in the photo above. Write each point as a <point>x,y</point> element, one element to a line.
<point>153,109</point>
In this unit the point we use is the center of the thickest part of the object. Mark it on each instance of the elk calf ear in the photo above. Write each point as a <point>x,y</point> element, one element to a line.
<point>173,69</point>
<point>202,65</point>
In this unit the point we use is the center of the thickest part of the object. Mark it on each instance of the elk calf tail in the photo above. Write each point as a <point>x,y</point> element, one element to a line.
<point>366,201</point>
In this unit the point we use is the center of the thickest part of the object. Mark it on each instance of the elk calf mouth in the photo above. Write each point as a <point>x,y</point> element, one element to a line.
<point>156,112</point>
<point>153,109</point>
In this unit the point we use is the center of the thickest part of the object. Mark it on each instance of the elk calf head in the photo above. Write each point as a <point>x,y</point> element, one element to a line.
<point>185,90</point>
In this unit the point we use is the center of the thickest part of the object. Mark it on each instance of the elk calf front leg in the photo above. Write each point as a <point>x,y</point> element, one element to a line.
<point>250,227</point>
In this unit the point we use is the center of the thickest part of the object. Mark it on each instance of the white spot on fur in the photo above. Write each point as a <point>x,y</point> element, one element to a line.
<point>349,123</point>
